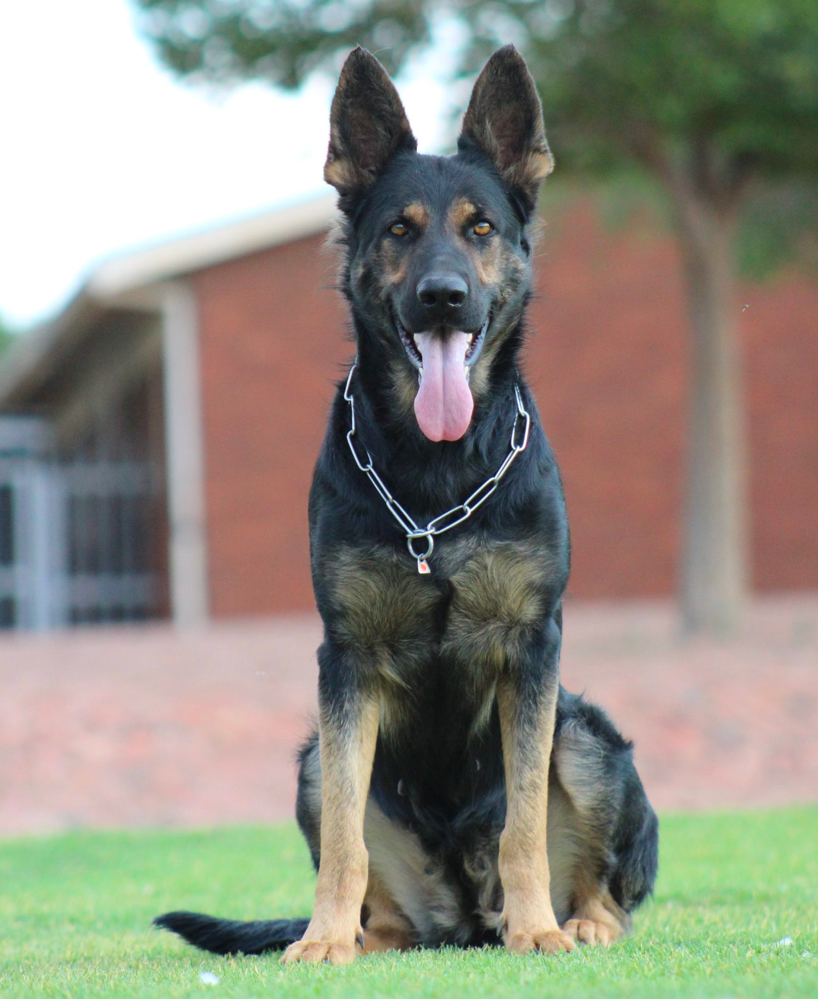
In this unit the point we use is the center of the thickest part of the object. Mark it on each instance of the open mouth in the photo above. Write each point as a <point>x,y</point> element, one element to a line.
<point>443,358</point>
<point>473,350</point>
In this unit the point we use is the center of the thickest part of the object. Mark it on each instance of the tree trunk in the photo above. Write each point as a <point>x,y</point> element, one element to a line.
<point>714,577</point>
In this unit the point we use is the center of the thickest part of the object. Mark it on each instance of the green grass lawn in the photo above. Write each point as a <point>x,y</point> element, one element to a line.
<point>734,915</point>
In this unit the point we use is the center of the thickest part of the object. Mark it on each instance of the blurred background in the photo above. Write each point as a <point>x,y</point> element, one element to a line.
<point>170,339</point>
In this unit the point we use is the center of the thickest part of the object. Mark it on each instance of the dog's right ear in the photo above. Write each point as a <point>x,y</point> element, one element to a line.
<point>368,125</point>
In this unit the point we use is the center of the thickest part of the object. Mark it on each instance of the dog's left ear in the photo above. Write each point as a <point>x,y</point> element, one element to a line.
<point>368,125</point>
<point>505,120</point>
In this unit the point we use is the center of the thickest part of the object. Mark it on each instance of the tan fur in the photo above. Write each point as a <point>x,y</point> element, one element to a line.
<point>385,927</point>
<point>417,214</point>
<point>519,171</point>
<point>407,873</point>
<point>498,266</point>
<point>497,598</point>
<point>497,117</point>
<point>581,775</point>
<point>407,892</point>
<point>393,268</point>
<point>488,262</point>
<point>597,919</point>
<point>528,921</point>
<point>385,608</point>
<point>479,379</point>
<point>341,173</point>
<point>461,211</point>
<point>566,852</point>
<point>383,604</point>
<point>533,168</point>
<point>346,751</point>
<point>374,118</point>
<point>581,770</point>
<point>404,380</point>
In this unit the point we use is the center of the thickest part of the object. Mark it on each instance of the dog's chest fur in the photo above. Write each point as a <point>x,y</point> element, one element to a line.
<point>469,617</point>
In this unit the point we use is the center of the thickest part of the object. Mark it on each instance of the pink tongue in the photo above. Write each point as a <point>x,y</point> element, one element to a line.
<point>443,405</point>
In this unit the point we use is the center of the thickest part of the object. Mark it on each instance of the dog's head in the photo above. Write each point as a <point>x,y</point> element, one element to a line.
<point>438,266</point>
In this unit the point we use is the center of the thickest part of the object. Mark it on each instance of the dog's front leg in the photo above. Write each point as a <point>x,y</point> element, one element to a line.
<point>527,699</point>
<point>348,727</point>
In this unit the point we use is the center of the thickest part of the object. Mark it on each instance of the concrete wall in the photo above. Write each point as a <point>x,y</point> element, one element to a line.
<point>608,361</point>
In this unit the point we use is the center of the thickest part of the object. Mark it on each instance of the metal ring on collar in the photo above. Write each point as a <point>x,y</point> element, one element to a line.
<point>421,555</point>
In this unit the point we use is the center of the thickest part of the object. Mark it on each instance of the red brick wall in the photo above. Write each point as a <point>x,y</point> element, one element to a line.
<point>607,359</point>
<point>272,336</point>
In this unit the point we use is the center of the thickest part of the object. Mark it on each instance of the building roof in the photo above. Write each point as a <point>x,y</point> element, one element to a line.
<point>212,246</point>
<point>127,281</point>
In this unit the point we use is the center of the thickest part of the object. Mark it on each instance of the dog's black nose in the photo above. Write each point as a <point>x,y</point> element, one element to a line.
<point>442,292</point>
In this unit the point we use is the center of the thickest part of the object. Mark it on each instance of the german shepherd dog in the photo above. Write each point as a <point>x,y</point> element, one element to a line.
<point>454,792</point>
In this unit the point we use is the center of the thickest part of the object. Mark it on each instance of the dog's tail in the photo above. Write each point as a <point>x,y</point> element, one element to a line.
<point>232,937</point>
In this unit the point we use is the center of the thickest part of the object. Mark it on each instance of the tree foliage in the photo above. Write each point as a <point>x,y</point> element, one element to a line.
<point>724,90</point>
<point>643,76</point>
<point>280,42</point>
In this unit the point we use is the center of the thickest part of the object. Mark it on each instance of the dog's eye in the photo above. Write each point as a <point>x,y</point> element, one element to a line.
<point>482,228</point>
<point>399,229</point>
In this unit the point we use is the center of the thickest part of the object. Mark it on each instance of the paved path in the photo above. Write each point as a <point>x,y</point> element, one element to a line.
<point>147,726</point>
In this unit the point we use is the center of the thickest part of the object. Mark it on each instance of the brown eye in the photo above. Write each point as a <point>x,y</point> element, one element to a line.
<point>399,229</point>
<point>482,228</point>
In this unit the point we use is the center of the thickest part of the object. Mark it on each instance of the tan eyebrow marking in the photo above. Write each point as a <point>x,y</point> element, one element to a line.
<point>461,211</point>
<point>417,214</point>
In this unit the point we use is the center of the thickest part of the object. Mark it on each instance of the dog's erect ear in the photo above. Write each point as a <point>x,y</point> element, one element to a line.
<point>368,124</point>
<point>505,120</point>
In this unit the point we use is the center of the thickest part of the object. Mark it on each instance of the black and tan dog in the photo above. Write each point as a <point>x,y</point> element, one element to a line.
<point>454,793</point>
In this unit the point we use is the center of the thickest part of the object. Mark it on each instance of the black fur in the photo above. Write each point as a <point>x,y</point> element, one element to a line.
<point>232,937</point>
<point>438,786</point>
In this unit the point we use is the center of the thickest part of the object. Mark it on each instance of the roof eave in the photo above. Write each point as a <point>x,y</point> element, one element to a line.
<point>211,247</point>
<point>134,281</point>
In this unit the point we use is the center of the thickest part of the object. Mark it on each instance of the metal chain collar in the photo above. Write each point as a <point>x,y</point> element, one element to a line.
<point>455,516</point>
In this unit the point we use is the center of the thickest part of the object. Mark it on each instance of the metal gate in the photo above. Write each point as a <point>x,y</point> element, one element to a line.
<point>28,574</point>
<point>110,573</point>
<point>77,539</point>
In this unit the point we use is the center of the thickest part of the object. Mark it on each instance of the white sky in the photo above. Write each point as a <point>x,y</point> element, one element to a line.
<point>103,151</point>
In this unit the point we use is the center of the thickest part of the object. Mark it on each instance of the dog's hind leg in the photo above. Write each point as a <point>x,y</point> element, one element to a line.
<point>604,837</point>
<point>416,899</point>
<point>385,927</point>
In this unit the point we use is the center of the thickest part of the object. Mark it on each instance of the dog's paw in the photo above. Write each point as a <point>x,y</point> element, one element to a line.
<point>550,942</point>
<point>592,931</point>
<point>331,952</point>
